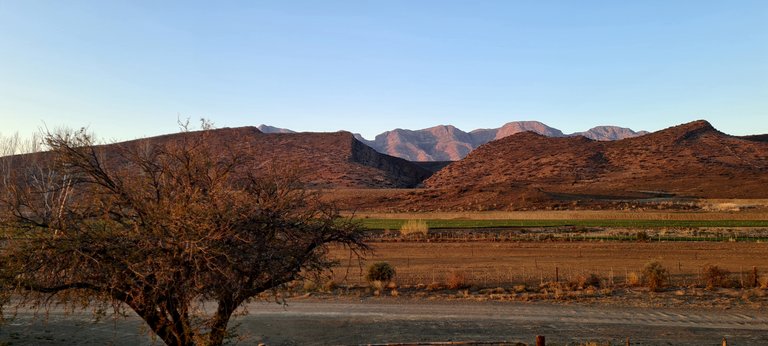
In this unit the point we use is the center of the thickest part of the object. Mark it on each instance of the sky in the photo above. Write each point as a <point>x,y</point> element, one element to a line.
<point>129,69</point>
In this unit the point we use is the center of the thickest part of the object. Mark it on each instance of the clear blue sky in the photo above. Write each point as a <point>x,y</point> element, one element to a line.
<point>128,69</point>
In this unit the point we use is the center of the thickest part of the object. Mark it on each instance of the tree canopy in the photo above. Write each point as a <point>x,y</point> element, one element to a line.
<point>165,226</point>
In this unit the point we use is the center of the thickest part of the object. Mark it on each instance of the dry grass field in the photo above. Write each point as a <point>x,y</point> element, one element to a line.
<point>506,264</point>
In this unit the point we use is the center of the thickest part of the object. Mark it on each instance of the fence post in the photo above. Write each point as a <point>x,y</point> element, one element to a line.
<point>540,341</point>
<point>755,281</point>
<point>627,341</point>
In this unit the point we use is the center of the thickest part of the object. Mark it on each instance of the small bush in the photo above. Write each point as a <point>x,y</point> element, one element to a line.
<point>589,280</point>
<point>715,276</point>
<point>330,285</point>
<point>380,271</point>
<point>434,286</point>
<point>414,229</point>
<point>377,286</point>
<point>633,279</point>
<point>655,276</point>
<point>763,281</point>
<point>642,236</point>
<point>456,280</point>
<point>309,286</point>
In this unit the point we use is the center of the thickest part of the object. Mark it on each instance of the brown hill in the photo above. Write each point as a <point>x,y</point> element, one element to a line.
<point>331,160</point>
<point>692,159</point>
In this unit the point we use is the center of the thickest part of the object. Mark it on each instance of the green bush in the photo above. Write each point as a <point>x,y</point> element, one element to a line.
<point>380,271</point>
<point>655,276</point>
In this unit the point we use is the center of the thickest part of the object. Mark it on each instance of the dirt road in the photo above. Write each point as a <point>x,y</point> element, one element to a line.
<point>311,322</point>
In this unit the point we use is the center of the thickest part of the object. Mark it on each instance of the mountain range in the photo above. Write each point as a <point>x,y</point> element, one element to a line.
<point>524,170</point>
<point>448,143</point>
<point>692,160</point>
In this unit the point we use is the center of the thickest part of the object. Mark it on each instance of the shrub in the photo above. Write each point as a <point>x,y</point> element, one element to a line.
<point>414,229</point>
<point>377,286</point>
<point>763,281</point>
<point>584,281</point>
<point>655,276</point>
<point>456,280</point>
<point>715,276</point>
<point>380,271</point>
<point>633,279</point>
<point>309,286</point>
<point>330,285</point>
<point>642,236</point>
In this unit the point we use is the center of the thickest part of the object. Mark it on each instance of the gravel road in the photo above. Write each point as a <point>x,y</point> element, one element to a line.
<point>312,322</point>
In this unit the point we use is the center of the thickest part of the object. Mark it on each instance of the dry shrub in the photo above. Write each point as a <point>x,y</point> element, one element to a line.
<point>434,286</point>
<point>584,281</point>
<point>655,276</point>
<point>377,286</point>
<point>519,288</point>
<point>763,281</point>
<point>414,229</point>
<point>715,276</point>
<point>457,280</point>
<point>309,286</point>
<point>380,271</point>
<point>634,279</point>
<point>330,285</point>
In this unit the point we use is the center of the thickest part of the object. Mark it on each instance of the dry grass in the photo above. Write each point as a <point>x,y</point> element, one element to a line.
<point>414,229</point>
<point>457,280</point>
<point>506,264</point>
<point>634,279</point>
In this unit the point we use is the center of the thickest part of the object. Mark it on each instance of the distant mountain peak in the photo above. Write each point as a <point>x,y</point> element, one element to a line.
<point>449,143</point>
<point>609,133</point>
<point>271,129</point>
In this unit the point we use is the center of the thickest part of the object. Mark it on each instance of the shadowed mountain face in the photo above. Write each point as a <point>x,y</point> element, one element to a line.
<point>331,160</point>
<point>692,159</point>
<point>448,143</point>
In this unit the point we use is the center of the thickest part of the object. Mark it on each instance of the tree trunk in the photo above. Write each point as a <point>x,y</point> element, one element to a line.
<point>163,327</point>
<point>220,321</point>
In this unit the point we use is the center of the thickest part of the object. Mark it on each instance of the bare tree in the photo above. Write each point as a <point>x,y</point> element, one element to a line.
<point>165,227</point>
